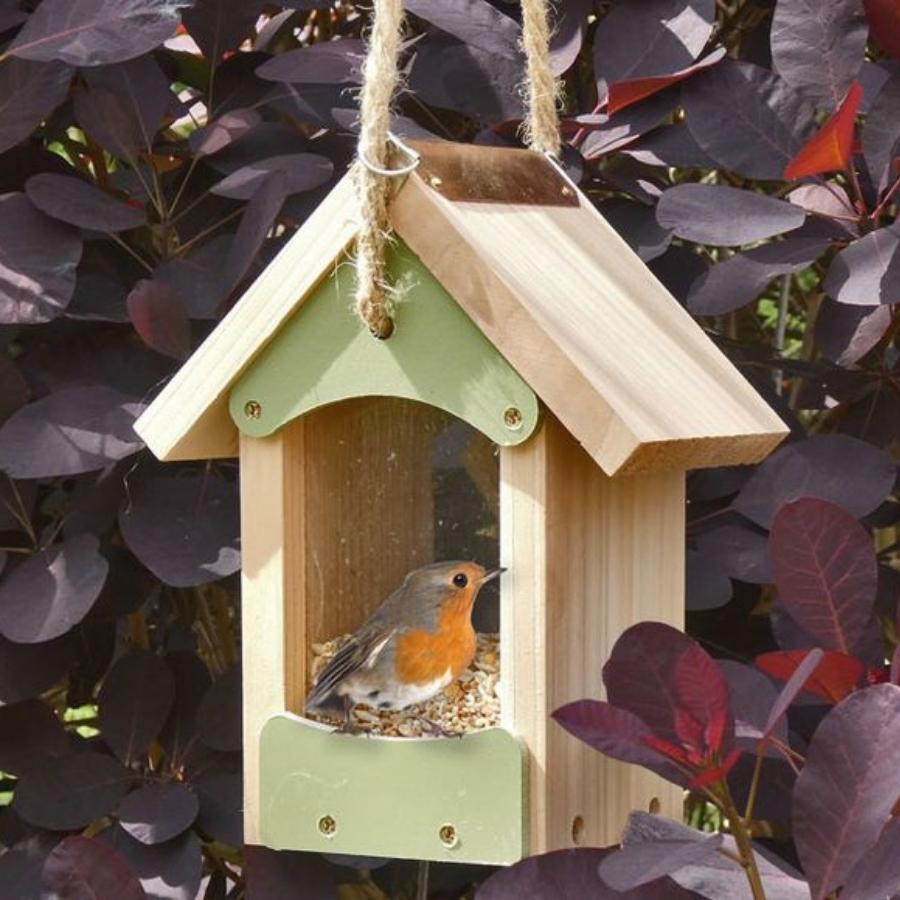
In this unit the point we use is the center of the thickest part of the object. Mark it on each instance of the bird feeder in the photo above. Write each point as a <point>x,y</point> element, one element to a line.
<point>524,315</point>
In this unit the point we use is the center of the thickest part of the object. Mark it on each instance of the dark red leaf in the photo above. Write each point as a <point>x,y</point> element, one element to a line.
<point>884,20</point>
<point>867,272</point>
<point>845,334</point>
<point>792,687</point>
<point>29,92</point>
<point>30,730</point>
<point>625,93</point>
<point>818,48</point>
<point>836,676</point>
<point>843,470</point>
<point>474,22</point>
<point>330,62</point>
<point>825,570</point>
<point>81,868</point>
<point>185,530</point>
<point>134,703</point>
<point>38,256</point>
<point>159,317</point>
<point>94,32</point>
<point>830,148</point>
<point>848,786</point>
<point>158,812</point>
<point>80,429</point>
<point>650,39</point>
<point>877,872</point>
<point>219,722</point>
<point>747,118</point>
<point>725,216</point>
<point>79,203</point>
<point>303,171</point>
<point>73,792</point>
<point>51,592</point>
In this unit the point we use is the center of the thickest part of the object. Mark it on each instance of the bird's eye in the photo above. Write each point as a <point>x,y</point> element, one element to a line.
<point>460,580</point>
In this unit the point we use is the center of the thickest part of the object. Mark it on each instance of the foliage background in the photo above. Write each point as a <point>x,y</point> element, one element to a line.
<point>147,176</point>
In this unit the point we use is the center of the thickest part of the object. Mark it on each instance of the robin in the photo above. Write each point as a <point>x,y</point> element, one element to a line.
<point>416,643</point>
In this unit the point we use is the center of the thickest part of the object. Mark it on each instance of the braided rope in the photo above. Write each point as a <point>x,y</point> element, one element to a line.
<point>541,123</point>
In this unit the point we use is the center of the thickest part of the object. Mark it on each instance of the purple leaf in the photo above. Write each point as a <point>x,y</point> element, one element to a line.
<point>219,718</point>
<point>752,698</point>
<point>29,92</point>
<point>79,429</point>
<point>881,134</point>
<point>474,22</point>
<point>848,786</point>
<point>637,224</point>
<point>197,278</point>
<point>220,25</point>
<point>833,467</point>
<point>134,703</point>
<point>789,692</point>
<point>868,271</point>
<point>303,172</point>
<point>706,585</point>
<point>223,131</point>
<point>73,792</point>
<point>30,730</point>
<point>169,871</point>
<point>258,218</point>
<point>570,20</point>
<point>27,670</point>
<point>826,199</point>
<point>845,334</point>
<point>192,682</point>
<point>14,393</point>
<point>158,812</point>
<point>81,868</point>
<point>185,530</point>
<point>740,549</point>
<point>80,203</point>
<point>52,591</point>
<point>826,571</point>
<point>655,37</point>
<point>123,104</point>
<point>159,317</point>
<point>563,873</point>
<point>331,62</point>
<point>95,32</point>
<point>725,216</point>
<point>819,48</point>
<point>645,861</point>
<point>38,257</point>
<point>21,865</point>
<point>747,118</point>
<point>274,875</point>
<point>877,872</point>
<point>741,278</point>
<point>612,132</point>
<point>221,806</point>
<point>671,145</point>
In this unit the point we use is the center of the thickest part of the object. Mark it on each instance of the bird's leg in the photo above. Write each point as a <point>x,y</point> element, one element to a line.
<point>348,726</point>
<point>434,729</point>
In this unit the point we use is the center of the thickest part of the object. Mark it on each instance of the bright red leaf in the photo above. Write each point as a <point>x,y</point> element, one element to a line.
<point>831,147</point>
<point>624,93</point>
<point>884,21</point>
<point>836,676</point>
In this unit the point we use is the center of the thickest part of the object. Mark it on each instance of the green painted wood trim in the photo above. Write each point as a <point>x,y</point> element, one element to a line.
<point>339,793</point>
<point>436,355</point>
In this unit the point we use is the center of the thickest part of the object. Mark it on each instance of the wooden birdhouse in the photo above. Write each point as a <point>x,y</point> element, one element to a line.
<point>535,363</point>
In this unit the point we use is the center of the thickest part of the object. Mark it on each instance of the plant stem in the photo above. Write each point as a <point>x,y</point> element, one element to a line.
<point>745,846</point>
<point>754,783</point>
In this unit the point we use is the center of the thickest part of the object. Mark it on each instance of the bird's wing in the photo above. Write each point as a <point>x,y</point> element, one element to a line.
<point>361,651</point>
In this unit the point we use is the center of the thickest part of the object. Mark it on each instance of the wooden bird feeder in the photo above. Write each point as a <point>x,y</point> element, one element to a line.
<point>526,316</point>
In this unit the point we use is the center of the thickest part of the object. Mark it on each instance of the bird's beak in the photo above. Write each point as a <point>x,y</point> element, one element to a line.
<point>490,576</point>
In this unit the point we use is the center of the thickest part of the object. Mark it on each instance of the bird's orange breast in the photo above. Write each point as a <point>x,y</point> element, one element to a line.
<point>422,656</point>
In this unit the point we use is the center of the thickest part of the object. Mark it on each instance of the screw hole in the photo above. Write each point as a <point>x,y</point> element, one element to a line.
<point>577,829</point>
<point>654,807</point>
<point>327,826</point>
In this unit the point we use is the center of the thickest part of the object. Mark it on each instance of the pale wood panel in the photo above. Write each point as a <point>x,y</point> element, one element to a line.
<point>368,510</point>
<point>189,419</point>
<point>582,319</point>
<point>272,635</point>
<point>589,556</point>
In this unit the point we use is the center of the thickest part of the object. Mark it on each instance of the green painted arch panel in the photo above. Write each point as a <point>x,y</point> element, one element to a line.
<point>444,799</point>
<point>436,355</point>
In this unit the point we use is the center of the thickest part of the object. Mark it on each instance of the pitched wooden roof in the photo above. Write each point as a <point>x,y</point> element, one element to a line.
<point>546,279</point>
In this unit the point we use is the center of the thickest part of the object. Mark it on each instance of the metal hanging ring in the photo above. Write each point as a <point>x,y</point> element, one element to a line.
<point>406,169</point>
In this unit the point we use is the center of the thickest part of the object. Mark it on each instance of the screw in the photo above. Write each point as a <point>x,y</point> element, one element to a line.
<point>512,418</point>
<point>435,181</point>
<point>327,826</point>
<point>252,409</point>
<point>449,837</point>
<point>566,191</point>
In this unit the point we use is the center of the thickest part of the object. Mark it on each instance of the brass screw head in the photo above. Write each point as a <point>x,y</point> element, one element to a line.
<point>512,418</point>
<point>435,181</point>
<point>252,409</point>
<point>449,837</point>
<point>327,826</point>
<point>566,191</point>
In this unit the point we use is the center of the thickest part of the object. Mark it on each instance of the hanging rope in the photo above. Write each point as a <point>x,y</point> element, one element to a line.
<point>541,123</point>
<point>373,175</point>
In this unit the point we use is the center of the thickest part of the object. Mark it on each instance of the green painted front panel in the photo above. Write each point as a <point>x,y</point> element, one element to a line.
<point>391,796</point>
<point>324,354</point>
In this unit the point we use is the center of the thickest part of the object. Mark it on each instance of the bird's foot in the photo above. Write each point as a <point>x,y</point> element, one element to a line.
<point>433,729</point>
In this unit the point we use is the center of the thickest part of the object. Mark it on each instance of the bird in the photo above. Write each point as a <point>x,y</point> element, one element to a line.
<point>419,640</point>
